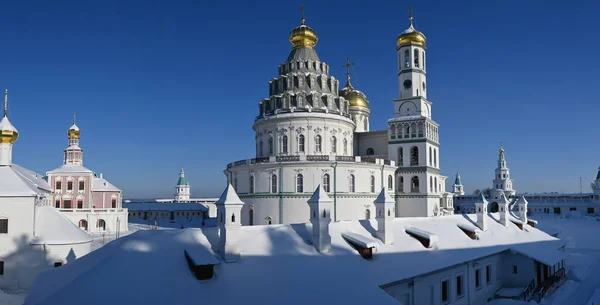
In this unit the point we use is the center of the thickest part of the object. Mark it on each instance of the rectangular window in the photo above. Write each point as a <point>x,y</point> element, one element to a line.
<point>488,274</point>
<point>81,185</point>
<point>459,286</point>
<point>445,292</point>
<point>70,186</point>
<point>67,204</point>
<point>114,203</point>
<point>58,185</point>
<point>1,268</point>
<point>57,204</point>
<point>3,226</point>
<point>572,209</point>
<point>478,278</point>
<point>80,204</point>
<point>515,269</point>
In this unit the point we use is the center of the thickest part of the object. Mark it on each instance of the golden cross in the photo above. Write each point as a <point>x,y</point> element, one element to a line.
<point>302,9</point>
<point>74,117</point>
<point>410,17</point>
<point>347,66</point>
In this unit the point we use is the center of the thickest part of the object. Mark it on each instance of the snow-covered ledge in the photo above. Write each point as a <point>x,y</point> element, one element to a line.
<point>426,238</point>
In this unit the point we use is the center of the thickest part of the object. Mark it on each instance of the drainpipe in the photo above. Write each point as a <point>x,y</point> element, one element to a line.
<point>335,191</point>
<point>280,193</point>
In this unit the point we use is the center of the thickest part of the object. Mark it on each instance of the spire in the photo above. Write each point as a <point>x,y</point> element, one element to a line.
<point>302,20</point>
<point>181,180</point>
<point>74,118</point>
<point>6,103</point>
<point>457,180</point>
<point>348,65</point>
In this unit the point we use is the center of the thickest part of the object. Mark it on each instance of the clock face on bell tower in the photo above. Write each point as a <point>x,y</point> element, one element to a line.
<point>407,84</point>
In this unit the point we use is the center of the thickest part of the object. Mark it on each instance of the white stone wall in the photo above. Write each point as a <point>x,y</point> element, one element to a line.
<point>375,140</point>
<point>351,204</point>
<point>115,219</point>
<point>310,125</point>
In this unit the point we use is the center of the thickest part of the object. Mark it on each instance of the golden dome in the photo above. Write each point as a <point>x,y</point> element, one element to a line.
<point>411,35</point>
<point>354,97</point>
<point>74,131</point>
<point>303,36</point>
<point>8,132</point>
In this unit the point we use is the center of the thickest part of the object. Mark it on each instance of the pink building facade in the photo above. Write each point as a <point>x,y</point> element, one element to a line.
<point>89,200</point>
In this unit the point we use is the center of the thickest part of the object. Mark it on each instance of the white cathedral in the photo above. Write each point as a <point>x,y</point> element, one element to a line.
<point>309,132</point>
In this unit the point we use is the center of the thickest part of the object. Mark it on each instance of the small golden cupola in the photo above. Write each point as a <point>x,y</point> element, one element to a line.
<point>303,36</point>
<point>74,130</point>
<point>354,97</point>
<point>8,132</point>
<point>410,35</point>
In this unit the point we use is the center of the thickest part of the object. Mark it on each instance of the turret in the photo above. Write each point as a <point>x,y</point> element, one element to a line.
<point>8,136</point>
<point>457,186</point>
<point>522,204</point>
<point>502,183</point>
<point>320,218</point>
<point>481,211</point>
<point>73,153</point>
<point>503,209</point>
<point>384,207</point>
<point>182,189</point>
<point>229,208</point>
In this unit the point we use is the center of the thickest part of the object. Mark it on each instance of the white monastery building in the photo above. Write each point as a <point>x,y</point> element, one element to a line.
<point>33,235</point>
<point>88,200</point>
<point>308,132</point>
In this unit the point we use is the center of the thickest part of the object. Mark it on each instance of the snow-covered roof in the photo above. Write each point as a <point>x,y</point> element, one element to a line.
<point>279,265</point>
<point>16,181</point>
<point>52,228</point>
<point>102,185</point>
<point>164,206</point>
<point>70,168</point>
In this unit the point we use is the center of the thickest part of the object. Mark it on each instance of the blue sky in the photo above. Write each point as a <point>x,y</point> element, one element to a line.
<point>162,84</point>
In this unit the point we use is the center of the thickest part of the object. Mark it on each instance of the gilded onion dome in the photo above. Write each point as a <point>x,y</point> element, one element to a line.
<point>354,97</point>
<point>410,36</point>
<point>8,132</point>
<point>73,130</point>
<point>303,36</point>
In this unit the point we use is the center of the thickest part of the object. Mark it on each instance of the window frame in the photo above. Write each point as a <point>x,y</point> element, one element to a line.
<point>4,225</point>
<point>352,183</point>
<point>326,183</point>
<point>372,182</point>
<point>488,274</point>
<point>299,183</point>
<point>478,279</point>
<point>460,278</point>
<point>447,295</point>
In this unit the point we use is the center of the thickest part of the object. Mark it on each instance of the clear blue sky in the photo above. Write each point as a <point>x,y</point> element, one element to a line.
<point>161,84</point>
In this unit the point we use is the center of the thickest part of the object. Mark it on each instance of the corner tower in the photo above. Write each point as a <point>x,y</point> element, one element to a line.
<point>413,136</point>
<point>182,189</point>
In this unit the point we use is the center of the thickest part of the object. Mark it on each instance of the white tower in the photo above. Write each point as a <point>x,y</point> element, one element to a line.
<point>8,136</point>
<point>413,139</point>
<point>481,211</point>
<point>503,209</point>
<point>320,210</point>
<point>457,186</point>
<point>73,153</point>
<point>182,189</point>
<point>384,207</point>
<point>523,209</point>
<point>229,207</point>
<point>502,181</point>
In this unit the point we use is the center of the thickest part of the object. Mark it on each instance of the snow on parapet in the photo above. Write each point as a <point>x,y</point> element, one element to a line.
<point>426,238</point>
<point>229,196</point>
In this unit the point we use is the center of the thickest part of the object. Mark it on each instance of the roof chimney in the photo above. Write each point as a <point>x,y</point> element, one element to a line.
<point>503,208</point>
<point>384,207</point>
<point>229,207</point>
<point>481,211</point>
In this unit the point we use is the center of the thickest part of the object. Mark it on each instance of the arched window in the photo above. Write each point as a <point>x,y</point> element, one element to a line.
<point>407,59</point>
<point>352,181</point>
<point>407,132</point>
<point>273,183</point>
<point>271,148</point>
<point>301,143</point>
<point>430,157</point>
<point>269,221</point>
<point>372,184</point>
<point>284,144</point>
<point>431,184</point>
<point>260,148</point>
<point>414,156</point>
<point>423,57</point>
<point>326,182</point>
<point>436,184</point>
<point>251,216</point>
<point>333,144</point>
<point>401,184</point>
<point>232,218</point>
<point>101,224</point>
<point>345,147</point>
<point>400,156</point>
<point>416,58</point>
<point>435,157</point>
<point>83,224</point>
<point>390,183</point>
<point>300,183</point>
<point>318,143</point>
<point>370,151</point>
<point>251,184</point>
<point>414,188</point>
<point>367,214</point>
